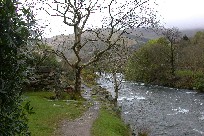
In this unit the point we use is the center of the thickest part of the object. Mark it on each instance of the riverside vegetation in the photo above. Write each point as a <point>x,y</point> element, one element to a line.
<point>109,121</point>
<point>152,63</point>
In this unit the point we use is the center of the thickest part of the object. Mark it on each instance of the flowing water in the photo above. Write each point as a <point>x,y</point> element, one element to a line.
<point>160,111</point>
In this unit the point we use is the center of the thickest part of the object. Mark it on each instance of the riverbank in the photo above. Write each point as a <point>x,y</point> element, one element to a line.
<point>186,79</point>
<point>183,79</point>
<point>109,124</point>
<point>109,121</point>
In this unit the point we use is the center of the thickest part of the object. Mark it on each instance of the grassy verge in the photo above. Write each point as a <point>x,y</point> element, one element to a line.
<point>109,124</point>
<point>48,113</point>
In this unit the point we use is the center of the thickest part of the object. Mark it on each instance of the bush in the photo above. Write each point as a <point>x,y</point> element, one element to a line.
<point>190,79</point>
<point>49,72</point>
<point>199,84</point>
<point>150,64</point>
<point>13,37</point>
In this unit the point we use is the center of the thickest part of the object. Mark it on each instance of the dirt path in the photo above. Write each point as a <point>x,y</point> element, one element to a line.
<point>81,126</point>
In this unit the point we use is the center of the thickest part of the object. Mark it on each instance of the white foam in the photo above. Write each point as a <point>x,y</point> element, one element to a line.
<point>201,118</point>
<point>140,97</point>
<point>122,98</point>
<point>191,92</point>
<point>142,84</point>
<point>183,111</point>
<point>201,132</point>
<point>130,99</point>
<point>180,110</point>
<point>171,114</point>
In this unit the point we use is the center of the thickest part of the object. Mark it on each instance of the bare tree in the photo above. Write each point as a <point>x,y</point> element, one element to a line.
<point>114,62</point>
<point>173,35</point>
<point>118,17</point>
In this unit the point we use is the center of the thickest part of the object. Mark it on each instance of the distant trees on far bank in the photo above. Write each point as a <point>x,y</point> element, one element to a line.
<point>152,63</point>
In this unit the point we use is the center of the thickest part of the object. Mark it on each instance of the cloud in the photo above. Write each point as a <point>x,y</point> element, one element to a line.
<point>182,13</point>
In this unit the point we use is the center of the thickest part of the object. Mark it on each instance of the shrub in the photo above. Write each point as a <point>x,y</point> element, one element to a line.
<point>190,79</point>
<point>150,64</point>
<point>13,37</point>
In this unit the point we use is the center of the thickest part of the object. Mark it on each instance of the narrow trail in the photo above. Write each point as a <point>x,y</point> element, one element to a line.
<point>81,126</point>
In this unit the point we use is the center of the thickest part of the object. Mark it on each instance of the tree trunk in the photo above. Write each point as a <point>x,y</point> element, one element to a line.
<point>77,86</point>
<point>172,60</point>
<point>116,88</point>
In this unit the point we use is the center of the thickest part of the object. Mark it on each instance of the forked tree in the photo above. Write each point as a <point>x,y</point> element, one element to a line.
<point>98,26</point>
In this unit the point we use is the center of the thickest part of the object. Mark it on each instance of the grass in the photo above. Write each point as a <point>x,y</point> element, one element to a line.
<point>49,113</point>
<point>109,124</point>
<point>189,73</point>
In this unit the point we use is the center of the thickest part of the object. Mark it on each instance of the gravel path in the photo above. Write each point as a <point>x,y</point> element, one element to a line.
<point>81,126</point>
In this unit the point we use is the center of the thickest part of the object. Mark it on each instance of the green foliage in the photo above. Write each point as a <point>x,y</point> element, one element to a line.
<point>198,38</point>
<point>41,57</point>
<point>189,73</point>
<point>109,124</point>
<point>27,107</point>
<point>191,55</point>
<point>13,36</point>
<point>185,79</point>
<point>49,113</point>
<point>150,63</point>
<point>190,63</point>
<point>199,84</point>
<point>89,76</point>
<point>190,79</point>
<point>161,41</point>
<point>49,72</point>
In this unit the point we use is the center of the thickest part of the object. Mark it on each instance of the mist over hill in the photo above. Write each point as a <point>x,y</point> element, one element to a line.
<point>135,38</point>
<point>191,32</point>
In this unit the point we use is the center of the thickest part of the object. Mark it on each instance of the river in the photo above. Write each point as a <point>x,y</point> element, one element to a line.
<point>160,111</point>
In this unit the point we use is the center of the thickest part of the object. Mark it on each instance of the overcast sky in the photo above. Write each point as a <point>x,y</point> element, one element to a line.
<point>184,14</point>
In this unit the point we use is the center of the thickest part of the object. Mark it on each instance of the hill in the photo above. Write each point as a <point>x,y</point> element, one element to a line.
<point>134,39</point>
